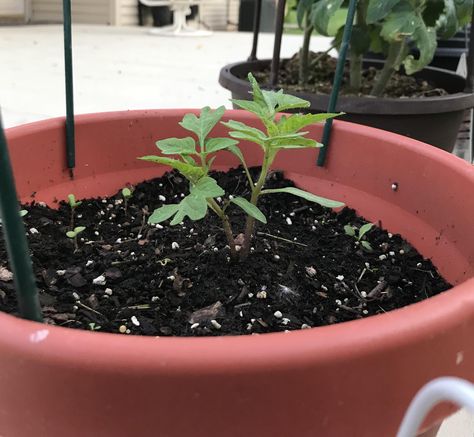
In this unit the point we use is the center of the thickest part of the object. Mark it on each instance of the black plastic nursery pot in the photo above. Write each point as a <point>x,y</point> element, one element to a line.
<point>433,120</point>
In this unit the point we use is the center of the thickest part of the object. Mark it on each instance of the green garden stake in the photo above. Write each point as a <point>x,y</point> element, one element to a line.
<point>70,134</point>
<point>15,239</point>
<point>337,81</point>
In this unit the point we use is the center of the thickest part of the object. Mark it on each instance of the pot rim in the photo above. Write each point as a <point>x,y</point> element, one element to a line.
<point>326,344</point>
<point>366,104</point>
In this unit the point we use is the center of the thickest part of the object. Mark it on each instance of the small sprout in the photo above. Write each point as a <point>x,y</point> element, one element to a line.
<point>73,204</point>
<point>359,234</point>
<point>73,235</point>
<point>94,327</point>
<point>127,193</point>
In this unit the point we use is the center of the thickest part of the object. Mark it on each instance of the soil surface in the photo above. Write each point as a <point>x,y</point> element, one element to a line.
<point>132,278</point>
<point>321,76</point>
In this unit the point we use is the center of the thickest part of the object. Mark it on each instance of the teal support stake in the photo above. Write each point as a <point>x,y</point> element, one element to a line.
<point>15,238</point>
<point>70,134</point>
<point>346,37</point>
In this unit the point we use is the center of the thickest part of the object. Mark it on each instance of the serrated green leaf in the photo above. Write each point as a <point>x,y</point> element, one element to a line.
<point>250,209</point>
<point>277,101</point>
<point>189,160</point>
<point>366,245</point>
<point>203,124</point>
<point>296,143</point>
<point>322,12</point>
<point>177,146</point>
<point>193,206</point>
<point>257,93</point>
<point>207,187</point>
<point>248,130</point>
<point>246,137</point>
<point>216,144</point>
<point>379,9</point>
<point>252,107</point>
<point>188,170</point>
<point>163,213</point>
<point>349,230</point>
<point>295,122</point>
<point>328,203</point>
<point>364,229</point>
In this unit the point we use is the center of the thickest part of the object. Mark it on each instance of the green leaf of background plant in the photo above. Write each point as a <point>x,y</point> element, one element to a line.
<point>163,213</point>
<point>425,40</point>
<point>216,144</point>
<point>379,9</point>
<point>303,8</point>
<point>207,187</point>
<point>400,23</point>
<point>447,23</point>
<point>349,230</point>
<point>360,39</point>
<point>328,203</point>
<point>250,209</point>
<point>186,169</point>
<point>364,229</point>
<point>322,12</point>
<point>203,124</point>
<point>177,146</point>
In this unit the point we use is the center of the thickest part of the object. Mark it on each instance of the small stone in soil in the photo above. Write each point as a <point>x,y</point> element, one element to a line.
<point>278,314</point>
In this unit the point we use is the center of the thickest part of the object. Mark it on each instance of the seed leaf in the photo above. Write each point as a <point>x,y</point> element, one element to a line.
<point>366,245</point>
<point>349,230</point>
<point>305,195</point>
<point>70,234</point>
<point>364,229</point>
<point>250,209</point>
<point>177,146</point>
<point>79,229</point>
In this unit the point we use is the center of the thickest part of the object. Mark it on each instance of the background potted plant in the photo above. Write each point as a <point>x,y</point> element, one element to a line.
<point>391,29</point>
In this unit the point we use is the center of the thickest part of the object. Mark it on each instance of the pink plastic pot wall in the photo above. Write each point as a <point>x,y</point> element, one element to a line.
<point>352,379</point>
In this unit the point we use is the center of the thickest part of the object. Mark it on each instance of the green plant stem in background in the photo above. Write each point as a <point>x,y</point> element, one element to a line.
<point>304,52</point>
<point>356,57</point>
<point>395,54</point>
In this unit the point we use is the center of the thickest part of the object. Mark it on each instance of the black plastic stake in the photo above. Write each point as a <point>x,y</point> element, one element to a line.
<point>279,22</point>
<point>256,29</point>
<point>346,37</point>
<point>70,135</point>
<point>15,239</point>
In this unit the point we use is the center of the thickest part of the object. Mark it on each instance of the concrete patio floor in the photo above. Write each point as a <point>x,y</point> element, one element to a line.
<point>127,68</point>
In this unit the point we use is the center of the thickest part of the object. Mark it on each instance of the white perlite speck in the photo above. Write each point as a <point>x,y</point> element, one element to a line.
<point>155,298</point>
<point>174,245</point>
<point>75,296</point>
<point>340,277</point>
<point>158,226</point>
<point>194,325</point>
<point>401,252</point>
<point>285,321</point>
<point>100,280</point>
<point>363,294</point>
<point>61,272</point>
<point>135,320</point>
<point>305,326</point>
<point>365,312</point>
<point>276,257</point>
<point>391,253</point>
<point>162,198</point>
<point>89,263</point>
<point>216,324</point>
<point>338,302</point>
<point>108,291</point>
<point>382,257</point>
<point>34,231</point>
<point>278,314</point>
<point>262,294</point>
<point>288,221</point>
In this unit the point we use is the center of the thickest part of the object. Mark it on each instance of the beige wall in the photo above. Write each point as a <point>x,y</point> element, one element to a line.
<point>83,11</point>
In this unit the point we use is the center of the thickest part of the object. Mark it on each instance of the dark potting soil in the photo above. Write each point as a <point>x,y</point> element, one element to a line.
<point>321,75</point>
<point>134,278</point>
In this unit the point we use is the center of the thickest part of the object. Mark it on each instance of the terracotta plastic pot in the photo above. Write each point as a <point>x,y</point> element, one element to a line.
<point>352,379</point>
<point>433,120</point>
